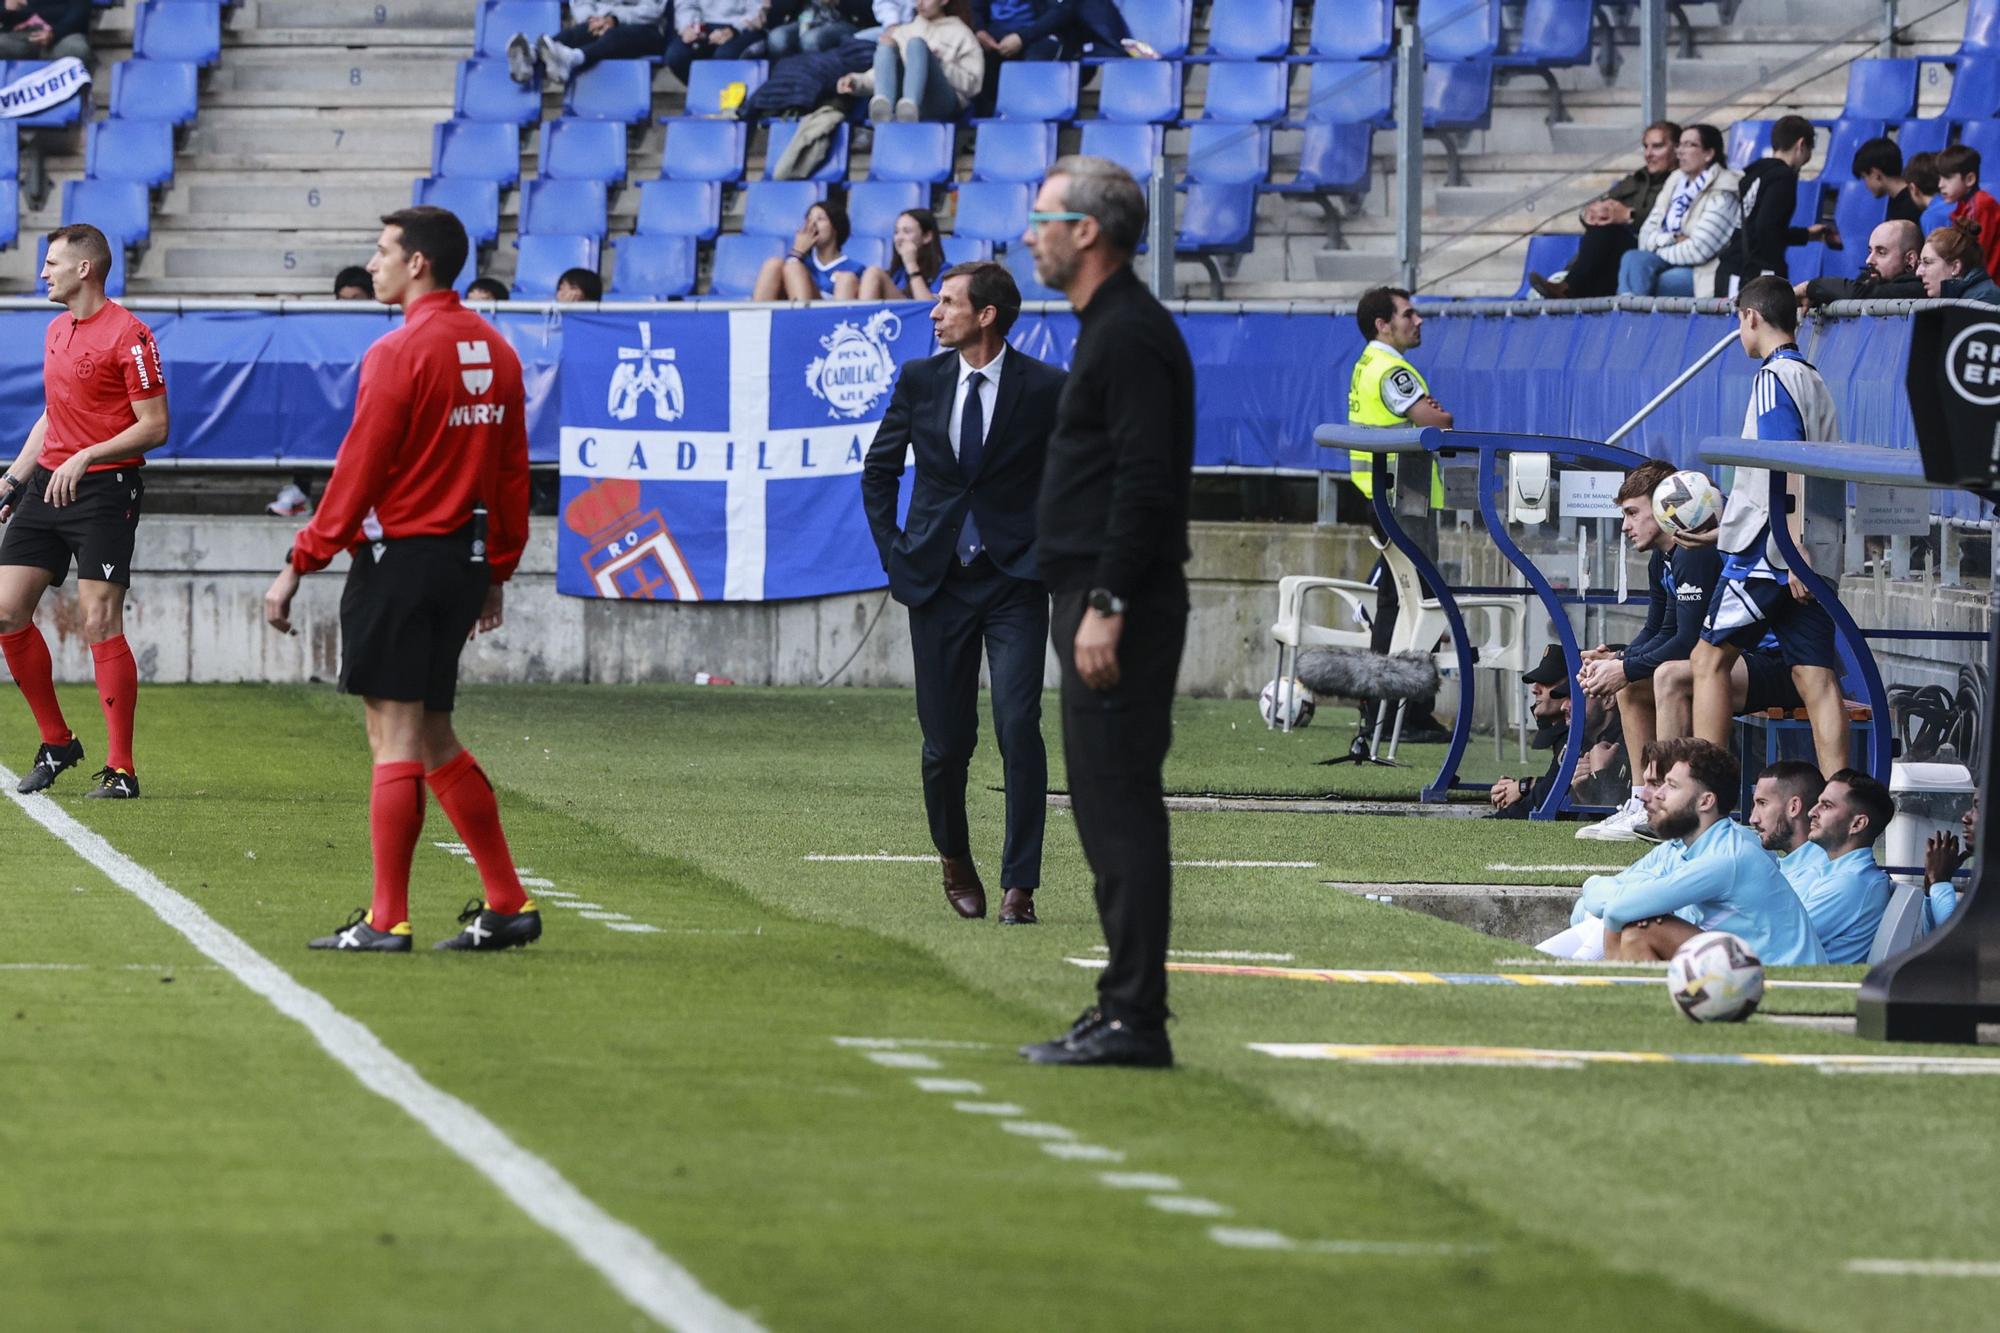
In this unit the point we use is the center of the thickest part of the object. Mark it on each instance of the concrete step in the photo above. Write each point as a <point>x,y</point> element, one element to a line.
<point>333,78</point>
<point>281,200</point>
<point>364,15</point>
<point>336,140</point>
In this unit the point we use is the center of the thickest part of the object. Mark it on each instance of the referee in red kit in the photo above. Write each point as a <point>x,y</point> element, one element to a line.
<point>430,496</point>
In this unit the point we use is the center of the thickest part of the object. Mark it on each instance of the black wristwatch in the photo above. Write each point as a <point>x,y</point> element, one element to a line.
<point>1101,601</point>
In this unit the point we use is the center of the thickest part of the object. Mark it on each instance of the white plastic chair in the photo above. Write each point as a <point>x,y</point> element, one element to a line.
<point>1496,625</point>
<point>1902,923</point>
<point>1293,631</point>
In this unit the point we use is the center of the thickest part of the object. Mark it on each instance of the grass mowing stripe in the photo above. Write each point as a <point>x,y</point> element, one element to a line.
<point>633,1265</point>
<point>1922,1268</point>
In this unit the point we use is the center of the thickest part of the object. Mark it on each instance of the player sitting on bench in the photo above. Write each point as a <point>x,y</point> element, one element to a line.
<point>1847,898</point>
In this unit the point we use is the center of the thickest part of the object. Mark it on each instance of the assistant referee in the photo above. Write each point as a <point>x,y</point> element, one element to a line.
<point>430,496</point>
<point>1113,525</point>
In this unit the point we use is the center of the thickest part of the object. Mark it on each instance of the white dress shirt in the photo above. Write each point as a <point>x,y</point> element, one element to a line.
<point>989,394</point>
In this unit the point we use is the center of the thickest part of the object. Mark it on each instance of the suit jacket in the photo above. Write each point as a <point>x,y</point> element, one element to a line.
<point>1001,494</point>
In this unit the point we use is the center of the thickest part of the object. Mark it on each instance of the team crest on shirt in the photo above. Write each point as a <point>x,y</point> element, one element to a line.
<point>858,367</point>
<point>475,354</point>
<point>86,368</point>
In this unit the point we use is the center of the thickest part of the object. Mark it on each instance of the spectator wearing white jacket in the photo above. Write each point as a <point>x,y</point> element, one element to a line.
<point>599,30</point>
<point>927,69</point>
<point>713,30</point>
<point>1696,213</point>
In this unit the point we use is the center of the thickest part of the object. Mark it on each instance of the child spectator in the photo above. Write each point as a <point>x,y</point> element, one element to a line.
<point>1878,164</point>
<point>927,69</point>
<point>919,260</point>
<point>1958,181</point>
<point>1922,173</point>
<point>816,266</point>
<point>579,284</point>
<point>1770,192</point>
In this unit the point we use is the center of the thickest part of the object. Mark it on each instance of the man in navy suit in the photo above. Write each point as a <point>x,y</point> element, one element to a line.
<point>977,418</point>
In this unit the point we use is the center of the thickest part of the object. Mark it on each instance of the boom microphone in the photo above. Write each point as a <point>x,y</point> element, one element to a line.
<point>1354,673</point>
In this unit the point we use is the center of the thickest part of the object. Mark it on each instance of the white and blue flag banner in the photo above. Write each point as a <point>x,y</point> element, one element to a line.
<point>716,455</point>
<point>44,86</point>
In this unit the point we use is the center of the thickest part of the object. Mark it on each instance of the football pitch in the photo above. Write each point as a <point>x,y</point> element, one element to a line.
<point>777,1081</point>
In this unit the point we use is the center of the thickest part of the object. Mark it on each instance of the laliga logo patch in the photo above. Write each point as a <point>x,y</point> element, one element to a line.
<point>1972,363</point>
<point>476,354</point>
<point>858,365</point>
<point>646,371</point>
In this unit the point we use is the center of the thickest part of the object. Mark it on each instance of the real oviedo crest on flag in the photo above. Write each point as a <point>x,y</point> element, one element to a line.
<point>716,455</point>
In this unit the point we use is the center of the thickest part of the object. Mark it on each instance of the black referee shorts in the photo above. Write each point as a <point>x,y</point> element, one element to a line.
<point>405,614</point>
<point>96,529</point>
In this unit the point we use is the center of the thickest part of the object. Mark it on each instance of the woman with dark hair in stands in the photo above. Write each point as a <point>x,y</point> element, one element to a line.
<point>919,260</point>
<point>1953,266</point>
<point>1692,220</point>
<point>930,68</point>
<point>816,266</point>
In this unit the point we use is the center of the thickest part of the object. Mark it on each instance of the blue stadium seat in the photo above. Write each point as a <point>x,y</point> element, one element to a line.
<point>1013,150</point>
<point>1459,29</point>
<point>476,150</point>
<point>118,150</point>
<point>1842,138</point>
<point>869,251</point>
<point>1020,262</point>
<point>620,90</point>
<point>1161,24</point>
<point>583,150</point>
<point>1224,154</point>
<point>775,208</point>
<point>1546,254</point>
<point>995,211</point>
<point>497,20</point>
<point>680,208</point>
<point>652,267</point>
<point>1805,209</point>
<point>1983,135</point>
<point>545,258</point>
<point>1248,90</point>
<point>1132,147</point>
<point>1982,29</point>
<point>1923,136</point>
<point>485,91</point>
<point>1352,92</point>
<point>1805,262</point>
<point>10,213</point>
<point>1856,213</point>
<point>476,203</point>
<point>114,281</point>
<point>1037,90</point>
<point>919,152</point>
<point>965,250</point>
<point>563,208</point>
<point>710,77</point>
<point>703,150</point>
<point>1745,142</point>
<point>116,208</point>
<point>833,169</point>
<point>1140,91</point>
<point>874,206</point>
<point>163,90</point>
<point>70,110</point>
<point>1881,89</point>
<point>177,32</point>
<point>1333,158</point>
<point>1975,90</point>
<point>1554,34</point>
<point>1249,29</point>
<point>732,274</point>
<point>1458,95</point>
<point>1353,29</point>
<point>10,152</point>
<point>1216,219</point>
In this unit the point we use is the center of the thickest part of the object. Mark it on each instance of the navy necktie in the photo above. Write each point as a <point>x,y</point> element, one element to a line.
<point>971,441</point>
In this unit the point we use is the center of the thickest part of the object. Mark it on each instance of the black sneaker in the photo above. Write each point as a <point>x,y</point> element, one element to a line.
<point>1109,1042</point>
<point>358,935</point>
<point>49,761</point>
<point>1085,1021</point>
<point>488,929</point>
<point>113,784</point>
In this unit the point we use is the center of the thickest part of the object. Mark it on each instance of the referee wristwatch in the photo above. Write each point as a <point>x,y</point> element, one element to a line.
<point>1104,603</point>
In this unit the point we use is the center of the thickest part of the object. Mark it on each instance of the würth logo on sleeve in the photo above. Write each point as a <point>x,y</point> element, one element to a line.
<point>475,354</point>
<point>139,362</point>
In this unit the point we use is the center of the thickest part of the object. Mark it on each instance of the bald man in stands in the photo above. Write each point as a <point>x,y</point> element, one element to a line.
<point>1889,275</point>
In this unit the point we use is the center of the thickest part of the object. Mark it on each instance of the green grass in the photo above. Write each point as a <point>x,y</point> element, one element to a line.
<point>179,1156</point>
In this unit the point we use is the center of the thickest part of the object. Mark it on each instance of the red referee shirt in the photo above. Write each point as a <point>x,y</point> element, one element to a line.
<point>93,370</point>
<point>440,426</point>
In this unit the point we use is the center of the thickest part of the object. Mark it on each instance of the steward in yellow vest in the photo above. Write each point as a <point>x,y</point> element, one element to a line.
<point>1386,390</point>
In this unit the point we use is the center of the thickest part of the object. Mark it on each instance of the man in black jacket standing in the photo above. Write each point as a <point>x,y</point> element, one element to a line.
<point>977,417</point>
<point>1114,518</point>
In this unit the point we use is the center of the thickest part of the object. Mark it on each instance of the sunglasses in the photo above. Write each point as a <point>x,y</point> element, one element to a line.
<point>1036,219</point>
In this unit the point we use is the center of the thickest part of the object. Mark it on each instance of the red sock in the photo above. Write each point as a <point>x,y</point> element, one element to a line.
<point>395,819</point>
<point>28,659</point>
<point>118,691</point>
<point>462,790</point>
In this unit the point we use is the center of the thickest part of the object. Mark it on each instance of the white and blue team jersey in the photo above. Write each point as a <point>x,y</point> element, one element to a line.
<point>1788,401</point>
<point>1846,901</point>
<point>1734,885</point>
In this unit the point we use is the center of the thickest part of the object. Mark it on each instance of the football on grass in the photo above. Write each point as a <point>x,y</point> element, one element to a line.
<point>1714,978</point>
<point>1686,502</point>
<point>1286,703</point>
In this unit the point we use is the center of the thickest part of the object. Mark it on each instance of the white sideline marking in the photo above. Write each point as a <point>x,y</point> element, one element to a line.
<point>578,905</point>
<point>963,1086</point>
<point>1248,865</point>
<point>605,916</point>
<point>1038,1129</point>
<point>903,1060</point>
<point>892,1043</point>
<point>1252,1238</point>
<point>632,927</point>
<point>1138,1180</point>
<point>871,856</point>
<point>895,859</point>
<point>1922,1268</point>
<point>1595,870</point>
<point>536,882</point>
<point>1225,955</point>
<point>47,967</point>
<point>628,1260</point>
<point>1082,1152</point>
<point>987,1108</point>
<point>1188,1205</point>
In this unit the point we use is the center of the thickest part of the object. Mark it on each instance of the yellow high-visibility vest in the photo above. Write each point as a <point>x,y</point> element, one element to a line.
<point>1366,408</point>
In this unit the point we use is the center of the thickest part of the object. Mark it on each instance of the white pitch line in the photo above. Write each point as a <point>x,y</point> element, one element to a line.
<point>45,967</point>
<point>640,1271</point>
<point>1253,1238</point>
<point>1922,1268</point>
<point>1576,869</point>
<point>1188,1205</point>
<point>1039,1129</point>
<point>903,1060</point>
<point>1139,1180</point>
<point>1083,1152</point>
<point>964,1087</point>
<point>605,916</point>
<point>850,858</point>
<point>632,927</point>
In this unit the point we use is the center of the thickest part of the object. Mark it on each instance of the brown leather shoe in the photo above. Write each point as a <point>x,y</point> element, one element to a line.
<point>1547,290</point>
<point>1017,907</point>
<point>962,888</point>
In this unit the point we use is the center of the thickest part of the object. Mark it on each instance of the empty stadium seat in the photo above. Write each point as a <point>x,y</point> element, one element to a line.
<point>10,151</point>
<point>653,267</point>
<point>119,150</point>
<point>1248,90</point>
<point>775,208</point>
<point>1352,92</point>
<point>1140,91</point>
<point>1922,136</point>
<point>545,258</point>
<point>874,206</point>
<point>711,78</point>
<point>1856,213</point>
<point>1020,262</point>
<point>485,91</point>
<point>476,150</point>
<point>1458,95</point>
<point>1842,138</point>
<point>919,152</point>
<point>70,110</point>
<point>114,280</point>
<point>116,208</point>
<point>583,150</point>
<point>475,203</point>
<point>1554,34</point>
<point>162,90</point>
<point>563,208</point>
<point>995,211</point>
<point>1250,29</point>
<point>869,252</point>
<point>497,20</point>
<point>1333,159</point>
<point>680,208</point>
<point>1355,29</point>
<point>1037,90</point>
<point>1161,24</point>
<point>1013,150</point>
<point>965,250</point>
<point>1881,89</point>
<point>703,150</point>
<point>1983,135</point>
<point>1223,154</point>
<point>1982,28</point>
<point>1216,219</point>
<point>834,168</point>
<point>177,32</point>
<point>1975,90</point>
<point>1745,142</point>
<point>1803,263</point>
<point>1546,255</point>
<point>1805,210</point>
<point>1459,29</point>
<point>1132,147</point>
<point>620,90</point>
<point>10,212</point>
<point>732,273</point>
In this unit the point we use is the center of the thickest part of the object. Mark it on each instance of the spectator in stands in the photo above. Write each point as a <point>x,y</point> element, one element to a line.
<point>712,30</point>
<point>1943,855</point>
<point>927,69</point>
<point>579,284</point>
<point>1878,164</point>
<point>1043,30</point>
<point>1922,173</point>
<point>816,266</point>
<point>919,260</point>
<point>599,30</point>
<point>1611,221</point>
<point>1889,275</point>
<point>45,30</point>
<point>1958,181</point>
<point>1692,220</point>
<point>1847,898</point>
<point>353,284</point>
<point>814,25</point>
<point>1781,807</point>
<point>1953,266</point>
<point>487,289</point>
<point>1769,191</point>
<point>1679,579</point>
<point>1719,869</point>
